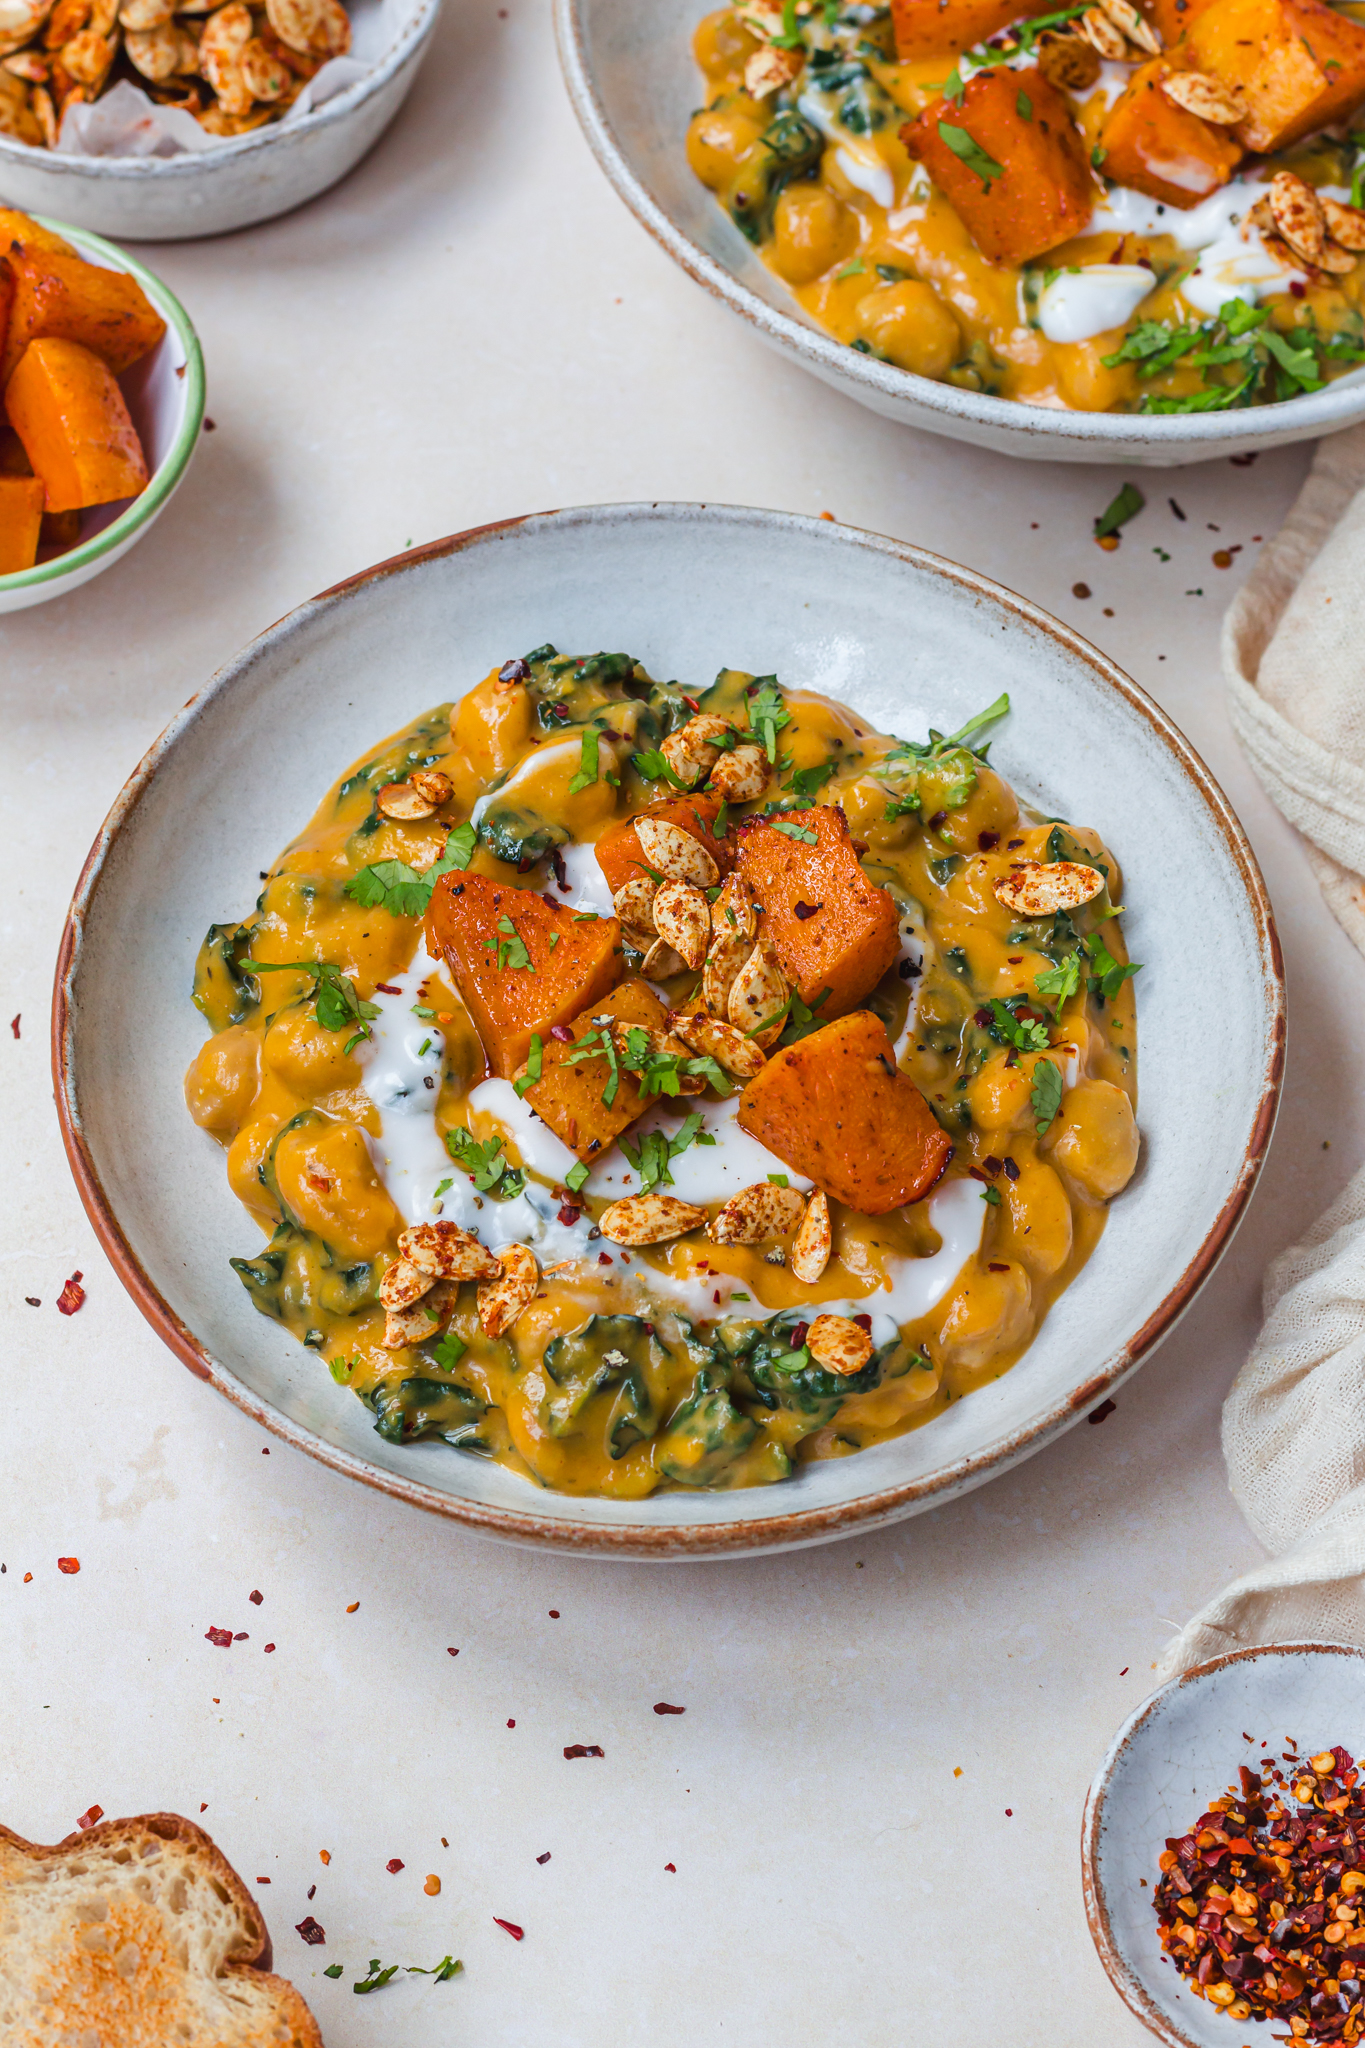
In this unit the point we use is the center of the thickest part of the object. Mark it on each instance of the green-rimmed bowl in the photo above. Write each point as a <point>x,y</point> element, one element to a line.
<point>165,394</point>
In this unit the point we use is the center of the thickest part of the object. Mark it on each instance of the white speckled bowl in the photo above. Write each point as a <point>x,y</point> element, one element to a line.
<point>252,178</point>
<point>1177,1751</point>
<point>165,397</point>
<point>688,589</point>
<point>634,87</point>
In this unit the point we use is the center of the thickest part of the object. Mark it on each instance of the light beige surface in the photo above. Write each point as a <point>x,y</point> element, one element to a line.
<point>469,328</point>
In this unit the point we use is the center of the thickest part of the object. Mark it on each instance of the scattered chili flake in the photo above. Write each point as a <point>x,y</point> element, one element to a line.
<point>68,1564</point>
<point>452,1653</point>
<point>255,1598</point>
<point>569,1215</point>
<point>263,1880</point>
<point>325,1855</point>
<point>28,1578</point>
<point>33,1300</point>
<point>995,1266</point>
<point>1009,1813</point>
<point>310,1931</point>
<point>604,1258</point>
<point>957,1770</point>
<point>221,1636</point>
<point>1222,559</point>
<point>14,1023</point>
<point>1257,1905</point>
<point>673,1867</point>
<point>1098,1414</point>
<point>432,1885</point>
<point>517,1933</point>
<point>353,1606</point>
<point>203,1806</point>
<point>1011,1169</point>
<point>71,1296</point>
<point>562,1033</point>
<point>312,1891</point>
<point>511,1724</point>
<point>90,1816</point>
<point>268,1649</point>
<point>387,988</point>
<point>554,1614</point>
<point>394,1865</point>
<point>799,1335</point>
<point>805,910</point>
<point>241,1636</point>
<point>1080,590</point>
<point>1124,1672</point>
<point>545,1858</point>
<point>582,1749</point>
<point>863,1322</point>
<point>988,841</point>
<point>662,1707</point>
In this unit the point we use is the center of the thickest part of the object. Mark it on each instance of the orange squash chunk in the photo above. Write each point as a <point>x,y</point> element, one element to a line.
<point>618,850</point>
<point>1045,191</point>
<point>1300,65</point>
<point>21,520</point>
<point>18,227</point>
<point>944,28</point>
<point>1160,148</point>
<point>569,1098</point>
<point>57,294</point>
<point>1171,18</point>
<point>837,1110</point>
<point>833,929</point>
<point>69,413</point>
<point>479,927</point>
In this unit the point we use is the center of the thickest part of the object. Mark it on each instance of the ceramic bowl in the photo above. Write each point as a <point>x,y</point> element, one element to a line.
<point>235,184</point>
<point>634,87</point>
<point>1180,1749</point>
<point>165,394</point>
<point>910,640</point>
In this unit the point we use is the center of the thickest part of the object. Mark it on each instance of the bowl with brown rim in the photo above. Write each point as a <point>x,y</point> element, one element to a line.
<point>634,87</point>
<point>1177,1751</point>
<point>909,639</point>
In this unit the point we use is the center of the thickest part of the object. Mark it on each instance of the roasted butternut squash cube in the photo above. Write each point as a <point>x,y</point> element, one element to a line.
<point>18,227</point>
<point>66,408</point>
<point>1159,148</point>
<point>568,1097</point>
<point>1171,18</point>
<point>21,520</point>
<point>1020,181</point>
<point>58,294</point>
<point>835,1107</point>
<point>618,851</point>
<point>835,932</point>
<point>1298,64</point>
<point>520,962</point>
<point>944,28</point>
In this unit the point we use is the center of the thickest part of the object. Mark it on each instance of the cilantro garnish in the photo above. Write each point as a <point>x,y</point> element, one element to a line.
<point>1274,365</point>
<point>576,1177</point>
<point>599,1044</point>
<point>394,886</point>
<point>1020,1032</point>
<point>1061,982</point>
<point>443,1186</point>
<point>795,831</point>
<point>655,1151</point>
<point>334,992</point>
<point>970,152</point>
<point>448,1351</point>
<point>533,1065</point>
<point>442,1972</point>
<point>511,949</point>
<point>1108,977</point>
<point>341,1369</point>
<point>486,1163</point>
<point>768,713</point>
<point>654,768</point>
<point>378,1976</point>
<point>779,1180</point>
<point>806,783</point>
<point>991,1195</point>
<point>791,37</point>
<point>1119,511</point>
<point>1046,1094</point>
<point>587,761</point>
<point>333,1970</point>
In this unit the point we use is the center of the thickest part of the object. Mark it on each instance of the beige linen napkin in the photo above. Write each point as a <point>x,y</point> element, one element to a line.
<point>1294,661</point>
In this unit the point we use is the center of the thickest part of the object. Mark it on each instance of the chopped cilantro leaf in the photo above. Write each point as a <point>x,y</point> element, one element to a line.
<point>1061,982</point>
<point>587,761</point>
<point>1119,511</point>
<point>394,886</point>
<point>970,152</point>
<point>795,831</point>
<point>448,1351</point>
<point>768,713</point>
<point>533,1065</point>
<point>485,1163</point>
<point>1020,1032</point>
<point>1046,1094</point>
<point>576,1177</point>
<point>334,993</point>
<point>655,768</point>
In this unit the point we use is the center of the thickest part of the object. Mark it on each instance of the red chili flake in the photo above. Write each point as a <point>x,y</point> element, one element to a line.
<point>312,1891</point>
<point>988,841</point>
<point>715,1296</point>
<point>582,1749</point>
<point>561,872</point>
<point>662,1707</point>
<point>568,1214</point>
<point>221,1636</point>
<point>70,1565</point>
<point>388,988</point>
<point>452,1653</point>
<point>1296,291</point>
<point>1124,1672</point>
<point>939,818</point>
<point>805,910</point>
<point>863,1322</point>
<point>673,1867</point>
<point>394,1865</point>
<point>992,1165</point>
<point>511,1927</point>
<point>995,1266</point>
<point>604,1258</point>
<point>14,1023</point>
<point>263,1880</point>
<point>691,702</point>
<point>92,1814</point>
<point>799,1335</point>
<point>33,1300</point>
<point>1098,1414</point>
<point>255,1598</point>
<point>268,1648</point>
<point>554,1614</point>
<point>545,1858</point>
<point>1011,1170</point>
<point>983,1017</point>
<point>511,1724</point>
<point>1009,1813</point>
<point>71,1296</point>
<point>310,1931</point>
<point>515,671</point>
<point>203,1806</point>
<point>241,1636</point>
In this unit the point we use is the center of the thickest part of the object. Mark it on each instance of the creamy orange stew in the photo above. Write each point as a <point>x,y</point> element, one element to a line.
<point>652,1087</point>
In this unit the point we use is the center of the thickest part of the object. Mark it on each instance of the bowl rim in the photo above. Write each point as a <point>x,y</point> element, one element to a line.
<point>1139,2001</point>
<point>1315,412</point>
<point>189,165</point>
<point>780,1529</point>
<point>164,479</point>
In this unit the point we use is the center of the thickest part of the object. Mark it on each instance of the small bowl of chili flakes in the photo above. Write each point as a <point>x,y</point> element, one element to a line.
<point>1223,1851</point>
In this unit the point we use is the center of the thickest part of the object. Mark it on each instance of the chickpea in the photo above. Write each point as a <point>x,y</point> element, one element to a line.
<point>988,1314</point>
<point>309,1060</point>
<point>1086,384</point>
<point>327,1181</point>
<point>490,727</point>
<point>911,326</point>
<point>1095,1140</point>
<point>999,1096</point>
<point>812,231</point>
<point>223,1079</point>
<point>991,807</point>
<point>719,139</point>
<point>723,43</point>
<point>865,804</point>
<point>1034,1220</point>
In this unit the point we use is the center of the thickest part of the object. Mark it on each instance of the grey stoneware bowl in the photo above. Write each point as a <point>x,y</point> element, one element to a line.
<point>250,179</point>
<point>1173,1754</point>
<point>634,87</point>
<point>911,640</point>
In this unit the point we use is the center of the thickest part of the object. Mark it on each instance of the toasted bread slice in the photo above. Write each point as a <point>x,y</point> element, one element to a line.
<point>137,1934</point>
